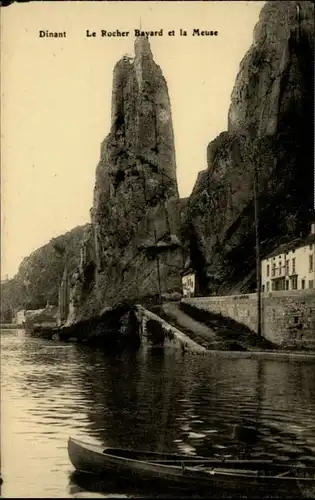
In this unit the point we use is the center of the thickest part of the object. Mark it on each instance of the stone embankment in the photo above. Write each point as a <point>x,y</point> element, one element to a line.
<point>288,318</point>
<point>158,331</point>
<point>166,327</point>
<point>169,326</point>
<point>215,333</point>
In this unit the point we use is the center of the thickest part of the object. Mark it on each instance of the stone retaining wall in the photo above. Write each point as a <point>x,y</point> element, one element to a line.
<point>288,317</point>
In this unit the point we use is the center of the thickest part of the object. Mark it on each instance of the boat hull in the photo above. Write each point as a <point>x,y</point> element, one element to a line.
<point>178,472</point>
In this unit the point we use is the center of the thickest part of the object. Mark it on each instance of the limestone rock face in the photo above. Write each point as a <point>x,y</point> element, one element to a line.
<point>132,250</point>
<point>270,129</point>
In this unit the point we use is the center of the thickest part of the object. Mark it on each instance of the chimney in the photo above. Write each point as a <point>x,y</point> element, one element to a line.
<point>313,228</point>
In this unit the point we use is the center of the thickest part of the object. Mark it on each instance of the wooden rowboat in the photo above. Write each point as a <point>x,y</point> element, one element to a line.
<point>194,473</point>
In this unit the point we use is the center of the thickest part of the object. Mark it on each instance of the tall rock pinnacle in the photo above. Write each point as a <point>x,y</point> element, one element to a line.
<point>133,248</point>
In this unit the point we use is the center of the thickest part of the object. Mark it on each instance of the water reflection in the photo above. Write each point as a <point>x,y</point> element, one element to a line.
<point>108,486</point>
<point>125,396</point>
<point>150,399</point>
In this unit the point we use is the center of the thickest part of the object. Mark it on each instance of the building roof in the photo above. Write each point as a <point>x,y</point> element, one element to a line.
<point>292,245</point>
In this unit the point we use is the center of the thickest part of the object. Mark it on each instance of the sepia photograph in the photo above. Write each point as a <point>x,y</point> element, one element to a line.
<point>157,249</point>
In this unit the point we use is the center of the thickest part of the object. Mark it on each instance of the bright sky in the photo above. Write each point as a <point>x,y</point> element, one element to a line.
<point>56,98</point>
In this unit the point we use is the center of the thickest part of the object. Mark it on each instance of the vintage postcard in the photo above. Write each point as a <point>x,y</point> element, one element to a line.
<point>157,249</point>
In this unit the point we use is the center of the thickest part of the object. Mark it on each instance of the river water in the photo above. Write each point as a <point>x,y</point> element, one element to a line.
<point>151,399</point>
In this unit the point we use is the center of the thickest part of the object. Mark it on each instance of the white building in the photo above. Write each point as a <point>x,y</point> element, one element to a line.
<point>291,266</point>
<point>189,283</point>
<point>19,318</point>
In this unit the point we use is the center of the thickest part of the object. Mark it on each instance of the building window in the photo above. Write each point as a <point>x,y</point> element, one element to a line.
<point>268,269</point>
<point>287,285</point>
<point>267,286</point>
<point>286,267</point>
<point>294,283</point>
<point>303,284</point>
<point>263,288</point>
<point>311,246</point>
<point>311,263</point>
<point>293,266</point>
<point>273,271</point>
<point>311,284</point>
<point>273,287</point>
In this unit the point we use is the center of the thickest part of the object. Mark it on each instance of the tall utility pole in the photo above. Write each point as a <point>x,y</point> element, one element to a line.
<point>157,265</point>
<point>298,10</point>
<point>253,144</point>
<point>258,260</point>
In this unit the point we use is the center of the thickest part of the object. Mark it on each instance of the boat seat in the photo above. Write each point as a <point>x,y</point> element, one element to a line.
<point>197,467</point>
<point>222,470</point>
<point>284,473</point>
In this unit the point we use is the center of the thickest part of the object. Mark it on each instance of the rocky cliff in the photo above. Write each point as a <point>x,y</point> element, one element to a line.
<point>270,132</point>
<point>39,275</point>
<point>132,250</point>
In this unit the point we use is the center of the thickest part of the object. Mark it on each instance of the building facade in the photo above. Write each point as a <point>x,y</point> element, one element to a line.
<point>291,266</point>
<point>189,283</point>
<point>19,318</point>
